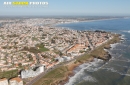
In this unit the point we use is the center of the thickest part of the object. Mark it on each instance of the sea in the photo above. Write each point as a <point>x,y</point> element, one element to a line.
<point>114,72</point>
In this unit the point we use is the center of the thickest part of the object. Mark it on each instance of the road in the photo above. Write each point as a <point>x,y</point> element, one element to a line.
<point>56,66</point>
<point>48,70</point>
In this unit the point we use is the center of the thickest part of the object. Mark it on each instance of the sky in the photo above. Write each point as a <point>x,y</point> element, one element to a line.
<point>69,8</point>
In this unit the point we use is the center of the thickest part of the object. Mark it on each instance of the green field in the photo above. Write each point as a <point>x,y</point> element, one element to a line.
<point>52,76</point>
<point>38,49</point>
<point>9,74</point>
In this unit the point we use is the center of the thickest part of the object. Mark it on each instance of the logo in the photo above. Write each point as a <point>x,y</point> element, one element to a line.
<point>25,3</point>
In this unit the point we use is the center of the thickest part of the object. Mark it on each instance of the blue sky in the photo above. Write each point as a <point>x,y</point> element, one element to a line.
<point>71,7</point>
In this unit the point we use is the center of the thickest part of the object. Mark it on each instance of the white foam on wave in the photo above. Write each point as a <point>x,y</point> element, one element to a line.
<point>76,77</point>
<point>121,66</point>
<point>122,60</point>
<point>90,79</point>
<point>81,75</point>
<point>128,31</point>
<point>113,45</point>
<point>123,37</point>
<point>116,71</point>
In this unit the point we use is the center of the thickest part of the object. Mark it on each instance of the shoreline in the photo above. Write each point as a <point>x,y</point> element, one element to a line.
<point>72,73</point>
<point>55,25</point>
<point>60,75</point>
<point>105,58</point>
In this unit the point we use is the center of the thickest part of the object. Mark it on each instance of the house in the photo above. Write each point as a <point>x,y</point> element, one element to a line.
<point>3,81</point>
<point>16,81</point>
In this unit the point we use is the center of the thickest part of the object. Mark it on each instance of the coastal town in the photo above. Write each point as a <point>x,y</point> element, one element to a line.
<point>29,47</point>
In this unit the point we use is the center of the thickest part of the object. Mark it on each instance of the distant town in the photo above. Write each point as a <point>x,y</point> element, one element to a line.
<point>31,46</point>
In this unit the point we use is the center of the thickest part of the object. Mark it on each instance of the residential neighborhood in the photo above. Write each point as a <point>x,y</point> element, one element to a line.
<point>32,46</point>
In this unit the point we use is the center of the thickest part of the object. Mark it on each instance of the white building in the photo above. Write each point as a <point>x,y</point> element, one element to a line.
<point>16,81</point>
<point>62,59</point>
<point>31,73</point>
<point>66,58</point>
<point>3,81</point>
<point>42,69</point>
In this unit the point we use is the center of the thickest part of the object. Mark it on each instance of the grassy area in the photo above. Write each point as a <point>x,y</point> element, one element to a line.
<point>51,77</point>
<point>34,39</point>
<point>13,35</point>
<point>38,49</point>
<point>41,47</point>
<point>56,73</point>
<point>83,58</point>
<point>9,74</point>
<point>32,49</point>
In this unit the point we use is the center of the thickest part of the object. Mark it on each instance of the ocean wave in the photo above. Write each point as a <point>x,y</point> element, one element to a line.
<point>116,71</point>
<point>115,57</point>
<point>81,75</point>
<point>76,78</point>
<point>128,31</point>
<point>114,45</point>
<point>91,66</point>
<point>123,37</point>
<point>121,66</point>
<point>90,79</point>
<point>109,69</point>
<point>122,60</point>
<point>79,79</point>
